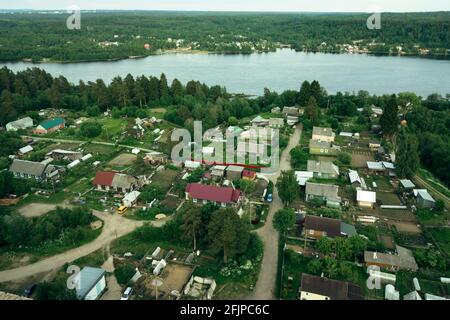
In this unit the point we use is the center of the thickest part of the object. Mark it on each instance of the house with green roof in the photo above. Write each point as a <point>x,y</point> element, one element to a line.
<point>50,125</point>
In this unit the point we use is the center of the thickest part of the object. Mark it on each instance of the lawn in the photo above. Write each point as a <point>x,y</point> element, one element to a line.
<point>442,237</point>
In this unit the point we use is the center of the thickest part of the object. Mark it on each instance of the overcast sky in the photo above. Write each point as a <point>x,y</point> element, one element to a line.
<point>238,5</point>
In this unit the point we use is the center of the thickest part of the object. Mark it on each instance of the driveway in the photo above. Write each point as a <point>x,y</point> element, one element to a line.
<point>115,226</point>
<point>265,286</point>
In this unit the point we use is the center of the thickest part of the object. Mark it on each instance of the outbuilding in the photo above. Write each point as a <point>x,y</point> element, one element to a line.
<point>91,283</point>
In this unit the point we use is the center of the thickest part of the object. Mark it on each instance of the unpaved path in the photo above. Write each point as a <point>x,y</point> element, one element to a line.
<point>266,284</point>
<point>115,226</point>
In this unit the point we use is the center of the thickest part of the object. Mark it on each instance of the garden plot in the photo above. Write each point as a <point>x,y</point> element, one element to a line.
<point>164,179</point>
<point>124,159</point>
<point>407,227</point>
<point>360,158</point>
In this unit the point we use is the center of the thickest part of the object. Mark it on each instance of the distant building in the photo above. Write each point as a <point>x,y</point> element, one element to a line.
<point>91,283</point>
<point>276,122</point>
<point>234,172</point>
<point>59,154</point>
<point>155,158</point>
<point>366,199</point>
<point>20,124</point>
<point>291,112</point>
<point>218,171</point>
<point>323,169</point>
<point>23,151</point>
<point>323,134</point>
<point>114,181</point>
<point>260,121</point>
<point>192,165</point>
<point>318,227</point>
<point>323,192</point>
<point>424,199</point>
<point>320,288</point>
<point>223,196</point>
<point>403,260</point>
<point>407,185</point>
<point>33,170</point>
<point>374,145</point>
<point>49,126</point>
<point>323,148</point>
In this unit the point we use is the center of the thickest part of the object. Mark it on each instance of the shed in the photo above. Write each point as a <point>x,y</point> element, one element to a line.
<point>25,150</point>
<point>407,184</point>
<point>91,283</point>
<point>130,198</point>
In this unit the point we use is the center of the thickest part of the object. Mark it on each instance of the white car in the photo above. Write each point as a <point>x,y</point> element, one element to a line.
<point>127,294</point>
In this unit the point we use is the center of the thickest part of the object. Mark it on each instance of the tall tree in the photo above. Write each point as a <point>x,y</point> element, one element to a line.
<point>284,219</point>
<point>228,234</point>
<point>389,119</point>
<point>312,110</point>
<point>407,157</point>
<point>287,186</point>
<point>305,93</point>
<point>192,224</point>
<point>163,87</point>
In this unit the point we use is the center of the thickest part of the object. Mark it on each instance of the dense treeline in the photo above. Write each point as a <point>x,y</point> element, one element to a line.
<point>45,36</point>
<point>31,90</point>
<point>64,225</point>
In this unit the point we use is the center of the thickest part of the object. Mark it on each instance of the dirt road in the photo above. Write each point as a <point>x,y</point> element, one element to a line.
<point>114,227</point>
<point>265,286</point>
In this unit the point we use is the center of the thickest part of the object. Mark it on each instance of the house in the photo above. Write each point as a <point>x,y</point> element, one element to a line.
<point>374,145</point>
<point>323,169</point>
<point>192,165</point>
<point>257,133</point>
<point>49,126</point>
<point>303,177</point>
<point>424,199</point>
<point>376,111</point>
<point>32,170</point>
<point>291,120</point>
<point>131,198</point>
<point>366,199</point>
<point>114,181</point>
<point>249,175</point>
<point>59,154</point>
<point>91,283</point>
<point>320,288</point>
<point>407,185</point>
<point>323,134</point>
<point>252,149</point>
<point>323,148</point>
<point>233,130</point>
<point>291,112</point>
<point>218,171</point>
<point>20,124</point>
<point>276,110</point>
<point>223,196</point>
<point>234,172</point>
<point>402,260</point>
<point>259,121</point>
<point>376,166</point>
<point>23,151</point>
<point>355,179</point>
<point>323,192</point>
<point>315,227</point>
<point>276,122</point>
<point>155,158</point>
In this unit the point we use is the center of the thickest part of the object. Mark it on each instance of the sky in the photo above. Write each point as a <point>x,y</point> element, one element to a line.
<point>238,5</point>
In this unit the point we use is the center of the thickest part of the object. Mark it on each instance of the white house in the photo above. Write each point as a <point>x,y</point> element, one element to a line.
<point>366,199</point>
<point>20,124</point>
<point>131,198</point>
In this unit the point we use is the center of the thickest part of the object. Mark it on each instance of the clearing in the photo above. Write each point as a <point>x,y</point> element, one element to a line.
<point>124,159</point>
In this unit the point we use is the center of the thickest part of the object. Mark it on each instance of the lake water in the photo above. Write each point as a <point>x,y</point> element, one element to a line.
<point>285,69</point>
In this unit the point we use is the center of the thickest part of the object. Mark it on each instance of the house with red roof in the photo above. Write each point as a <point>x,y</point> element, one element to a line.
<point>223,196</point>
<point>114,181</point>
<point>248,175</point>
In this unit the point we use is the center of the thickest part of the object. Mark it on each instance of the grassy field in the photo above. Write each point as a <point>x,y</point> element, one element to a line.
<point>435,183</point>
<point>442,237</point>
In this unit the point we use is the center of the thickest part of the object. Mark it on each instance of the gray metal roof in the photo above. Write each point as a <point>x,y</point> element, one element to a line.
<point>27,167</point>
<point>237,169</point>
<point>319,144</point>
<point>324,190</point>
<point>323,167</point>
<point>123,181</point>
<point>327,132</point>
<point>87,279</point>
<point>407,184</point>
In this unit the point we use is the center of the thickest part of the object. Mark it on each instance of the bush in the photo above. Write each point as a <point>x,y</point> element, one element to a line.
<point>90,129</point>
<point>124,273</point>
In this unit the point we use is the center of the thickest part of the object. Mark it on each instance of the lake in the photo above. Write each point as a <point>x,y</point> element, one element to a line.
<point>278,71</point>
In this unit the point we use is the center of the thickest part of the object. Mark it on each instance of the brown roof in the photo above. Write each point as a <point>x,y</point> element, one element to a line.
<point>336,290</point>
<point>104,178</point>
<point>212,193</point>
<point>331,226</point>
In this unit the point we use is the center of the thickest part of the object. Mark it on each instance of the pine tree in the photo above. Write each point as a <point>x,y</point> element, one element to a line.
<point>389,119</point>
<point>287,186</point>
<point>305,93</point>
<point>407,157</point>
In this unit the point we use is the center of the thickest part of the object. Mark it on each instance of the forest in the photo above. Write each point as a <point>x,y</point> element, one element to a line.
<point>44,36</point>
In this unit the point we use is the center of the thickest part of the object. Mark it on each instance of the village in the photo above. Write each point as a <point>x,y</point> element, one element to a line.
<point>354,218</point>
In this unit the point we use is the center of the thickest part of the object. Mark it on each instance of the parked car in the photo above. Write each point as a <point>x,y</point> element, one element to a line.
<point>269,198</point>
<point>127,294</point>
<point>28,292</point>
